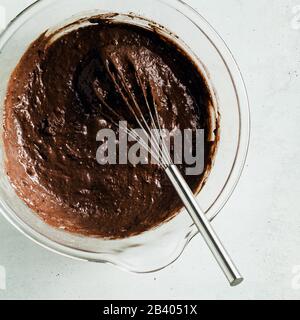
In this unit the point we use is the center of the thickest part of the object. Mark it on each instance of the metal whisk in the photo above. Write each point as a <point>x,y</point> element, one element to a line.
<point>162,155</point>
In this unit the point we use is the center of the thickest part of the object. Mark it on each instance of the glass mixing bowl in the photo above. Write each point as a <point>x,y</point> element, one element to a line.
<point>161,246</point>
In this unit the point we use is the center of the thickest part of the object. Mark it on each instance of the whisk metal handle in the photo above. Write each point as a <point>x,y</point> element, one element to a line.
<point>204,226</point>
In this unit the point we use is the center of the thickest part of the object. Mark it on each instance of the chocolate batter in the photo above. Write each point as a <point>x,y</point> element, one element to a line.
<point>54,110</point>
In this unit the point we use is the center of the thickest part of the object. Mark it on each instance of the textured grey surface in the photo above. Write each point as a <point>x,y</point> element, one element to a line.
<point>261,222</point>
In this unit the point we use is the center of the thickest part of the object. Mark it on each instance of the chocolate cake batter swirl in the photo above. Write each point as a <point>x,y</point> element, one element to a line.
<point>53,111</point>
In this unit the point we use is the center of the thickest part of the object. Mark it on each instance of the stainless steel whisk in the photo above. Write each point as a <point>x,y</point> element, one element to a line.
<point>161,154</point>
